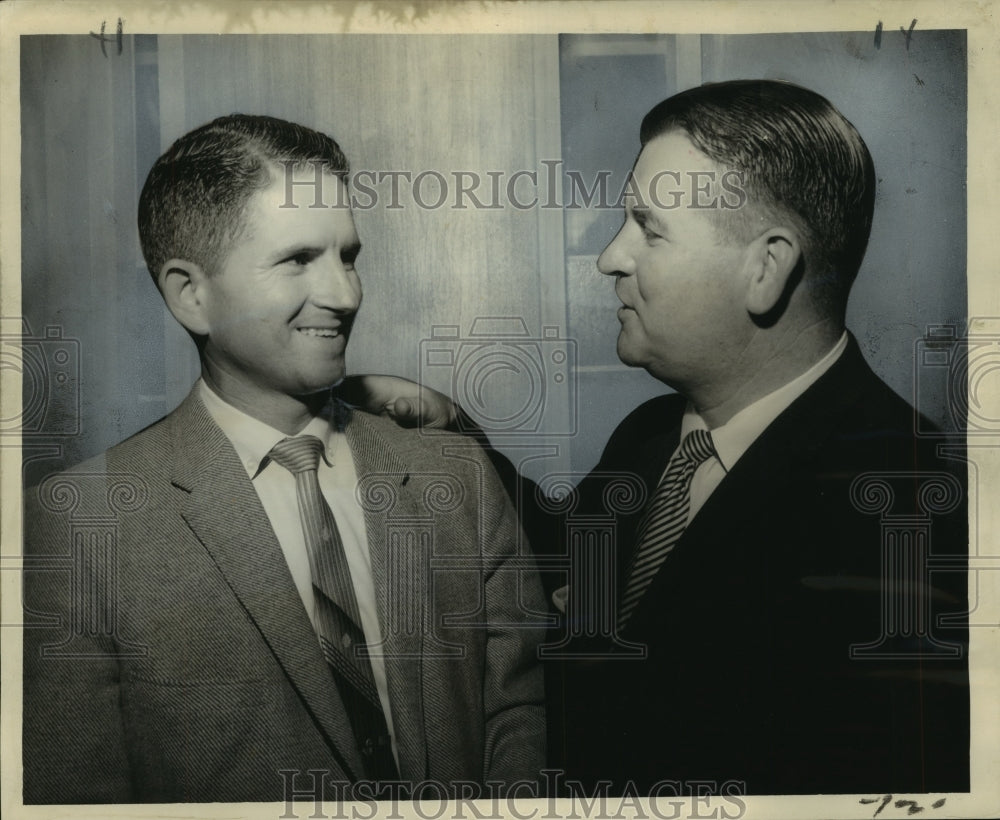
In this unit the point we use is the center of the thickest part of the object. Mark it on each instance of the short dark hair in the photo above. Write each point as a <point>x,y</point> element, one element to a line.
<point>193,203</point>
<point>799,158</point>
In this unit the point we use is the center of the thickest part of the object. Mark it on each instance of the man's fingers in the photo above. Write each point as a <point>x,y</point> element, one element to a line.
<point>403,408</point>
<point>404,412</point>
<point>422,412</point>
<point>407,403</point>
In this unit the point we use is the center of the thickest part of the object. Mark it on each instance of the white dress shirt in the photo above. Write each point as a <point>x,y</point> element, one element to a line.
<point>275,486</point>
<point>733,438</point>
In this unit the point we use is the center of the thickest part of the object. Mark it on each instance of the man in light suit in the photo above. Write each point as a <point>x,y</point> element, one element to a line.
<point>186,639</point>
<point>787,587</point>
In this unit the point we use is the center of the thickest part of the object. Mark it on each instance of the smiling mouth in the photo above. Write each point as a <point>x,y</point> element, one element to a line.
<point>320,332</point>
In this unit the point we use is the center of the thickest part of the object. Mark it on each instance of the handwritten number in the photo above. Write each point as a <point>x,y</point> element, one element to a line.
<point>907,34</point>
<point>101,38</point>
<point>117,39</point>
<point>911,806</point>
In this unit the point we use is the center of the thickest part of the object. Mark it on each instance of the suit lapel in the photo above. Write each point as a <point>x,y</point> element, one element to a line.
<point>223,511</point>
<point>753,489</point>
<point>392,521</point>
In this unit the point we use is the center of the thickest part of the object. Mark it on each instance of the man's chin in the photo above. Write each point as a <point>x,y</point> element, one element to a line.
<point>626,355</point>
<point>322,384</point>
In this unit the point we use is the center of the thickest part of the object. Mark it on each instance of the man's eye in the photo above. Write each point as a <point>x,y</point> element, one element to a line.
<point>299,259</point>
<point>641,219</point>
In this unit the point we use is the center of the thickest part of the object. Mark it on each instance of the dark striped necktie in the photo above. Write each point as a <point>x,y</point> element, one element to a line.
<point>337,617</point>
<point>664,520</point>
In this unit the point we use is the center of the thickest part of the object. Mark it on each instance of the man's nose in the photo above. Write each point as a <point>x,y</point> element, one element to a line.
<point>335,284</point>
<point>615,259</point>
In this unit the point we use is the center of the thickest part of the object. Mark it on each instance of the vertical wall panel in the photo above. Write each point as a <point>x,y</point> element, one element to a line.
<point>79,261</point>
<point>607,83</point>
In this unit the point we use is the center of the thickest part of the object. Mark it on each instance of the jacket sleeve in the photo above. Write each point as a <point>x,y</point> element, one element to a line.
<point>513,683</point>
<point>74,747</point>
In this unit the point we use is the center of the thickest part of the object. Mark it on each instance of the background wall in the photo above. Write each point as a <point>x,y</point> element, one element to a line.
<point>105,359</point>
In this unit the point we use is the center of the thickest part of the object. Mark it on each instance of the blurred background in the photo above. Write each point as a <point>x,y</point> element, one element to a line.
<point>498,304</point>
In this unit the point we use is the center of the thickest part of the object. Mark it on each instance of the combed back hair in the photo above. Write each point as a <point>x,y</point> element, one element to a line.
<point>193,204</point>
<point>800,160</point>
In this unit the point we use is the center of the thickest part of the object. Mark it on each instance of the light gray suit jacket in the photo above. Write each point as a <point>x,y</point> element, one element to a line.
<point>168,656</point>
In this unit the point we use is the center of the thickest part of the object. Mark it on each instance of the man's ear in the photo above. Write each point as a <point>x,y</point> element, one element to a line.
<point>182,285</point>
<point>774,257</point>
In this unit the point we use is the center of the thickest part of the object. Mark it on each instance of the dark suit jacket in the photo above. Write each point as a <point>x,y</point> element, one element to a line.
<point>168,656</point>
<point>797,557</point>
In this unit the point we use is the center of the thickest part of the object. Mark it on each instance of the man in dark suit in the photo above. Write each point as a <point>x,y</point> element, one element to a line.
<point>787,613</point>
<point>264,596</point>
<point>777,603</point>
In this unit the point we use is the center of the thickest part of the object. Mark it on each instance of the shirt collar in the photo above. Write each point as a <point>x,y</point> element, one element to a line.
<point>253,439</point>
<point>733,438</point>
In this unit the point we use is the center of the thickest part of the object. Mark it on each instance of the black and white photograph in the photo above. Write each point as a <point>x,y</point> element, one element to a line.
<point>499,408</point>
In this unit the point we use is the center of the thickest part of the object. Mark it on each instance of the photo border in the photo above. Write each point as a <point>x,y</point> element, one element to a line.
<point>706,17</point>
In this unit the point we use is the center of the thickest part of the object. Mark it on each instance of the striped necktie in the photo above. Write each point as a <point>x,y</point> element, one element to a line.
<point>664,520</point>
<point>337,617</point>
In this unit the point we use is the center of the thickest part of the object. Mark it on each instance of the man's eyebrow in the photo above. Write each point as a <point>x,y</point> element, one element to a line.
<point>644,217</point>
<point>292,250</point>
<point>349,251</point>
